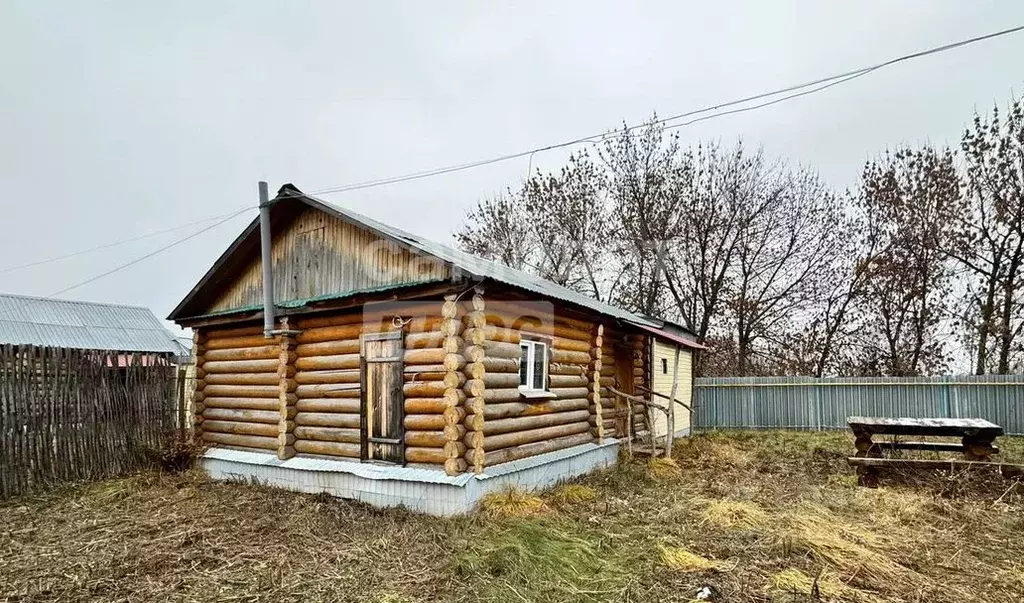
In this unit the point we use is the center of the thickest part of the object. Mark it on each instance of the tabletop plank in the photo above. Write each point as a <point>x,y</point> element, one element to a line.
<point>925,426</point>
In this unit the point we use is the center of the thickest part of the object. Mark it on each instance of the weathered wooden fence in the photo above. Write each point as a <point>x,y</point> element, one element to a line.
<point>70,415</point>
<point>809,403</point>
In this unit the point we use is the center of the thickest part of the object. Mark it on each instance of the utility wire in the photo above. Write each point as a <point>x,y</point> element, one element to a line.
<point>846,76</point>
<point>815,86</point>
<point>114,244</point>
<point>148,255</point>
<point>832,80</point>
<point>768,103</point>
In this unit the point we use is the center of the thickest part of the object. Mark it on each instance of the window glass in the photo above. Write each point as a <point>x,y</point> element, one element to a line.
<point>524,363</point>
<point>664,366</point>
<point>540,364</point>
<point>533,365</point>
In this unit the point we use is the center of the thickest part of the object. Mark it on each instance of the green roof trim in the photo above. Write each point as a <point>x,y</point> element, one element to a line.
<point>298,303</point>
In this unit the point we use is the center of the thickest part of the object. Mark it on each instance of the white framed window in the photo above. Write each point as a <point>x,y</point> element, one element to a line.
<point>533,366</point>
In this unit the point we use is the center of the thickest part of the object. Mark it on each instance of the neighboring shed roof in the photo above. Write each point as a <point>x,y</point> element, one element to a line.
<point>468,263</point>
<point>85,325</point>
<point>669,336</point>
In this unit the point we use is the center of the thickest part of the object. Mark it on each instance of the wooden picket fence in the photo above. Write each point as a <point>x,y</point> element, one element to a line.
<point>69,415</point>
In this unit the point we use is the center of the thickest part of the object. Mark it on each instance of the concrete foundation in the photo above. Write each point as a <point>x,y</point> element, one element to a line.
<point>428,491</point>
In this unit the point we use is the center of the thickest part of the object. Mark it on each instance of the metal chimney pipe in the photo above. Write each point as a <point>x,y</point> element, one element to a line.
<point>265,261</point>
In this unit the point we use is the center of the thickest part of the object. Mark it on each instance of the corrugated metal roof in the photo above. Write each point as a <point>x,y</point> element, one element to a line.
<point>465,262</point>
<point>683,341</point>
<point>482,268</point>
<point>85,325</point>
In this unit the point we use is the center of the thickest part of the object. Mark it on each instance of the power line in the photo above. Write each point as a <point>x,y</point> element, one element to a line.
<point>815,85</point>
<point>148,255</point>
<point>768,103</point>
<point>855,73</point>
<point>115,243</point>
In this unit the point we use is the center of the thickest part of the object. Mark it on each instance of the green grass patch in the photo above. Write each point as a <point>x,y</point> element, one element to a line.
<point>541,560</point>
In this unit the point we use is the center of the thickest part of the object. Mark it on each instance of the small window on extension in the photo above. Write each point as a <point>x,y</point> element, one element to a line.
<point>533,366</point>
<point>664,366</point>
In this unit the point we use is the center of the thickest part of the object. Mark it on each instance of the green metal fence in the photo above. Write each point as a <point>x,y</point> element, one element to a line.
<point>809,403</point>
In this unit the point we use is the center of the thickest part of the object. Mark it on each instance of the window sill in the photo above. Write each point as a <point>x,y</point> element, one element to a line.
<point>536,394</point>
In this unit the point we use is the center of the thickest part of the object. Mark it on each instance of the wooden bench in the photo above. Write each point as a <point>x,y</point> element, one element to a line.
<point>976,442</point>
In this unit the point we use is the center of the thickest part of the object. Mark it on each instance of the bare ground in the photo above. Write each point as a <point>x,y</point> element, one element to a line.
<point>772,516</point>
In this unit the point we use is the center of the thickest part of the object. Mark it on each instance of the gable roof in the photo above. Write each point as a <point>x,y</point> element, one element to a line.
<point>85,325</point>
<point>468,263</point>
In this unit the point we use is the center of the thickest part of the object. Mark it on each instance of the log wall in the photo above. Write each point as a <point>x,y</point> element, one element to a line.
<point>301,393</point>
<point>503,425</point>
<point>641,371</point>
<point>474,389</point>
<point>615,411</point>
<point>237,398</point>
<point>328,380</point>
<point>287,399</point>
<point>594,385</point>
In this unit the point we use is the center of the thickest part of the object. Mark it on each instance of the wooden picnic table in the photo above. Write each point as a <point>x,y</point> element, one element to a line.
<point>977,437</point>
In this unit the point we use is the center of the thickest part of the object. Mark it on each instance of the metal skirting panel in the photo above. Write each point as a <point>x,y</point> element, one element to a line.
<point>427,491</point>
<point>809,403</point>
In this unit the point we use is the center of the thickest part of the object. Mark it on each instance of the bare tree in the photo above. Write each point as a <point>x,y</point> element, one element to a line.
<point>819,340</point>
<point>698,267</point>
<point>905,197</point>
<point>789,239</point>
<point>769,267</point>
<point>568,224</point>
<point>495,228</point>
<point>645,180</point>
<point>989,241</point>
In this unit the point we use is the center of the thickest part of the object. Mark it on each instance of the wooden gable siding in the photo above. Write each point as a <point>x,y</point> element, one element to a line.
<point>320,255</point>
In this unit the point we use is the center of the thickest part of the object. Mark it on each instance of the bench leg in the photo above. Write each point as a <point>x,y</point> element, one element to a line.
<point>865,447</point>
<point>867,477</point>
<point>977,450</point>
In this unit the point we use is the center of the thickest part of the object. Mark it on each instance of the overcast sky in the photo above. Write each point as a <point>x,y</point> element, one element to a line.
<point>122,118</point>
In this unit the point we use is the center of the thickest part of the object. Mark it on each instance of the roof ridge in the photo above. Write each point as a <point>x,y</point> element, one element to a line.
<point>72,301</point>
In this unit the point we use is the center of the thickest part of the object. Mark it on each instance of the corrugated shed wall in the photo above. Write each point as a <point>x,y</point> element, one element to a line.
<point>808,403</point>
<point>318,254</point>
<point>661,379</point>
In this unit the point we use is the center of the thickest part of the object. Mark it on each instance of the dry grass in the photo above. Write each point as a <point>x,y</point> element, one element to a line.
<point>857,554</point>
<point>770,512</point>
<point>511,502</point>
<point>664,469</point>
<point>537,560</point>
<point>681,560</point>
<point>567,495</point>
<point>735,514</point>
<point>821,587</point>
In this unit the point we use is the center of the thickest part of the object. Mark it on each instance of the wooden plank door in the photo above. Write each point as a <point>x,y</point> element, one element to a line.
<point>383,405</point>
<point>623,356</point>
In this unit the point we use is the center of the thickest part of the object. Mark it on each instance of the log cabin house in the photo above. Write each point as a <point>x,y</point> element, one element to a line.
<point>398,371</point>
